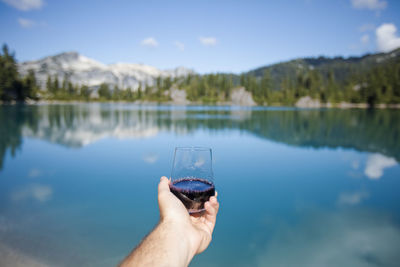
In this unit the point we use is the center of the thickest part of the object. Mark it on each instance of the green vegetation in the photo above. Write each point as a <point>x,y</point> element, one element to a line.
<point>371,79</point>
<point>12,86</point>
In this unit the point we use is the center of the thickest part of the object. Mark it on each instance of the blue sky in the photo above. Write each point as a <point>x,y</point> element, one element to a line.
<point>208,36</point>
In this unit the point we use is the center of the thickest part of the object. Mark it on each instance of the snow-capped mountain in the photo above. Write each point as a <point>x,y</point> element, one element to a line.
<point>83,70</point>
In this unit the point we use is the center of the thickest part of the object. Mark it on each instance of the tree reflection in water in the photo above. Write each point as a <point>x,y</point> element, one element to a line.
<point>76,125</point>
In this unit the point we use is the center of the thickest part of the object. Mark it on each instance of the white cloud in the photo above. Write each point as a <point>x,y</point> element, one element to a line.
<point>37,192</point>
<point>150,158</point>
<point>179,45</point>
<point>386,37</point>
<point>34,173</point>
<point>25,5</point>
<point>150,42</point>
<point>369,4</point>
<point>353,198</point>
<point>26,23</point>
<point>376,163</point>
<point>208,41</point>
<point>367,27</point>
<point>364,39</point>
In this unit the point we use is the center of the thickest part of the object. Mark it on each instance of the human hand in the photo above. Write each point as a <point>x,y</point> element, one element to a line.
<point>197,228</point>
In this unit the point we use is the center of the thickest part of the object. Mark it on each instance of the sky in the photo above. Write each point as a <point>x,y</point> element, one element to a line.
<point>207,36</point>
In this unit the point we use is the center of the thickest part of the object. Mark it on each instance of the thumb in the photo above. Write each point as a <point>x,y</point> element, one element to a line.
<point>163,195</point>
<point>163,186</point>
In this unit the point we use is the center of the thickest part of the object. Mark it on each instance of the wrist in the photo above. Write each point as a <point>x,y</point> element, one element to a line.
<point>183,231</point>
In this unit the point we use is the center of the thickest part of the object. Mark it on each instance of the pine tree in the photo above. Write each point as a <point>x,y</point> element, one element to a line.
<point>266,84</point>
<point>30,86</point>
<point>139,91</point>
<point>11,87</point>
<point>56,86</point>
<point>85,92</point>
<point>116,95</point>
<point>71,89</point>
<point>49,84</point>
<point>104,92</point>
<point>128,95</point>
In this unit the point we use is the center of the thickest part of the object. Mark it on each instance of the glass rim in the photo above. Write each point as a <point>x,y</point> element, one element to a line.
<point>199,148</point>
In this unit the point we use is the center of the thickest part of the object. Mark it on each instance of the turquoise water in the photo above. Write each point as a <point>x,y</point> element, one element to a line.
<point>78,183</point>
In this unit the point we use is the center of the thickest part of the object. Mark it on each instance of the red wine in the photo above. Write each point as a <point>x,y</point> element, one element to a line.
<point>193,192</point>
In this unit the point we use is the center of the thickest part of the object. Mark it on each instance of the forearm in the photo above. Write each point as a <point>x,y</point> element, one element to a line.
<point>166,245</point>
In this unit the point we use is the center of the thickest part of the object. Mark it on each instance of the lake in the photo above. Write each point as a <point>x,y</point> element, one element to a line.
<point>297,187</point>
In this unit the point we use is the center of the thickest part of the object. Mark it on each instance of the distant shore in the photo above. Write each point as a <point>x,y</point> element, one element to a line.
<point>316,105</point>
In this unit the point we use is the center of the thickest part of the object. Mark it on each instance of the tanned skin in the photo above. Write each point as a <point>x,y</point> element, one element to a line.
<point>178,237</point>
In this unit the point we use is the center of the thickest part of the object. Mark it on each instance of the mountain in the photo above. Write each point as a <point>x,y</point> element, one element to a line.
<point>371,80</point>
<point>83,70</point>
<point>343,69</point>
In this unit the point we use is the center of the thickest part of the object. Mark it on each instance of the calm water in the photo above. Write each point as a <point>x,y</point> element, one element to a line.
<point>297,187</point>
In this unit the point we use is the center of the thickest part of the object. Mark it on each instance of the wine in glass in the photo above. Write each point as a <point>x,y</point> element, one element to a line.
<point>192,179</point>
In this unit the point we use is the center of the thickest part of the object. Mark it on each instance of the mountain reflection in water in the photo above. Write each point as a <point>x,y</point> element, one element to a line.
<point>78,125</point>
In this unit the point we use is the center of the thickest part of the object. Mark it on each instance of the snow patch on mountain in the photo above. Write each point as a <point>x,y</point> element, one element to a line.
<point>81,70</point>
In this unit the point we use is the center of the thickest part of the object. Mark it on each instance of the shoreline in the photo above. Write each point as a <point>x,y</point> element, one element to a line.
<point>342,105</point>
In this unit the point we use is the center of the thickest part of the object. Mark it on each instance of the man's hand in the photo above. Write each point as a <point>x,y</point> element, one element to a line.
<point>198,228</point>
<point>178,237</point>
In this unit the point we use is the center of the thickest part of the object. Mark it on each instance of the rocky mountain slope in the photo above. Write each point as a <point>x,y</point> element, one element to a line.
<point>82,70</point>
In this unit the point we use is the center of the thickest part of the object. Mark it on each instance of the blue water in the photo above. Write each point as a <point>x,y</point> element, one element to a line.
<point>78,183</point>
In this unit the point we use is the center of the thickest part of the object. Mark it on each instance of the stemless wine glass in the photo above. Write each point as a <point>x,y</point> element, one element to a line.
<point>192,179</point>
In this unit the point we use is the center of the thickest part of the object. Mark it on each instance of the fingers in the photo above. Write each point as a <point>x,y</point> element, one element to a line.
<point>214,201</point>
<point>212,207</point>
<point>163,190</point>
<point>163,186</point>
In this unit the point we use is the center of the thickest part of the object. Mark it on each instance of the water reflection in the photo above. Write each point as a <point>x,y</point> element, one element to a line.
<point>35,192</point>
<point>150,158</point>
<point>352,198</point>
<point>79,125</point>
<point>87,206</point>
<point>376,164</point>
<point>357,238</point>
<point>12,257</point>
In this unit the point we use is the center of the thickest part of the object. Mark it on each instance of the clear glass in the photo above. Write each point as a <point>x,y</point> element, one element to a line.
<point>192,178</point>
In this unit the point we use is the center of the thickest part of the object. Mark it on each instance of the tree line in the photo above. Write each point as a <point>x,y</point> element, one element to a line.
<point>379,84</point>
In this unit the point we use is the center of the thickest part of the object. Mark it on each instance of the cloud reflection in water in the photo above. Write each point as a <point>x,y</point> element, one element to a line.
<point>40,193</point>
<point>376,163</point>
<point>339,239</point>
<point>352,198</point>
